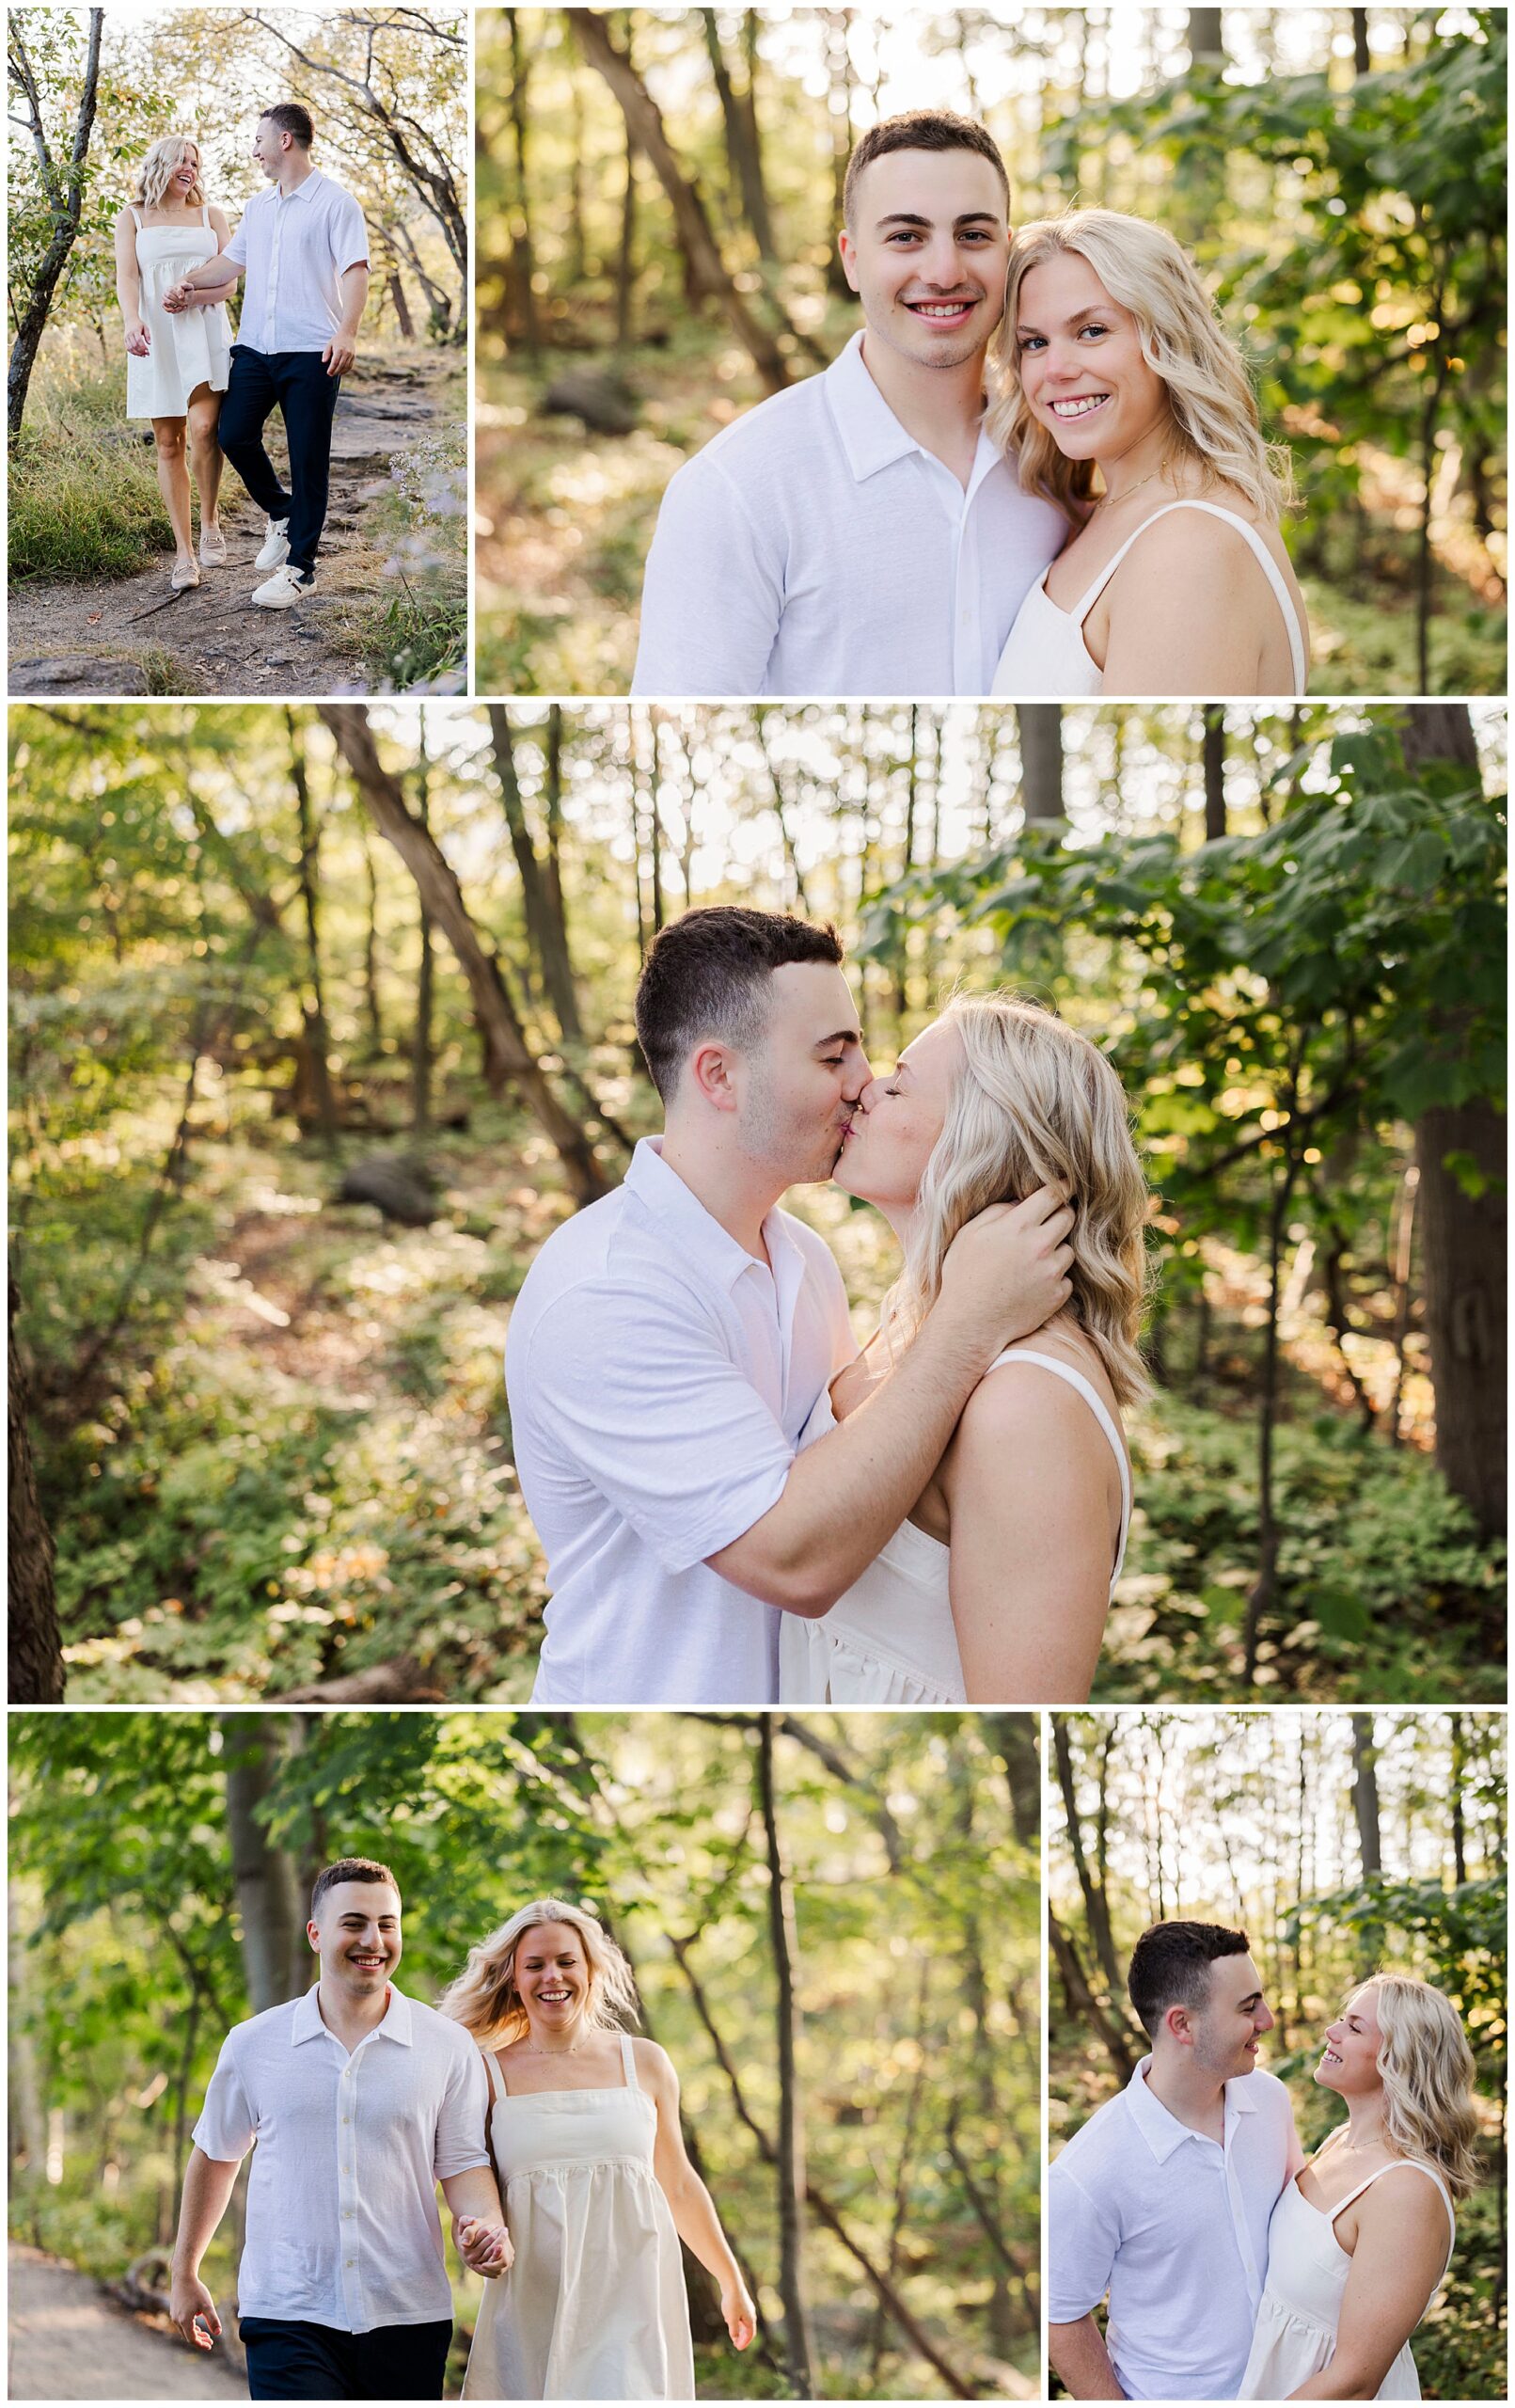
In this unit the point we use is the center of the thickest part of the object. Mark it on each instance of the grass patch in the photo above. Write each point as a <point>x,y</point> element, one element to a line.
<point>83,499</point>
<point>414,633</point>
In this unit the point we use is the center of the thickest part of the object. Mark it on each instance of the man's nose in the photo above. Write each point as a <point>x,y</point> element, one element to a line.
<point>1264,2019</point>
<point>858,1085</point>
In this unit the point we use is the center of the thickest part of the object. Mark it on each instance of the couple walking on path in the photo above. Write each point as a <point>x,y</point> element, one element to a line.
<point>303,248</point>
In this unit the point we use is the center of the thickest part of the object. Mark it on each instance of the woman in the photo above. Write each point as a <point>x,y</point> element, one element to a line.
<point>1176,580</point>
<point>996,1589</point>
<point>593,2178</point>
<point>1360,2239</point>
<point>177,368</point>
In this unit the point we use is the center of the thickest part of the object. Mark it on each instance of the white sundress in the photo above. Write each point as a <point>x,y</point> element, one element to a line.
<point>1307,2270</point>
<point>186,351</point>
<point>594,2305</point>
<point>1045,652</point>
<point>891,1639</point>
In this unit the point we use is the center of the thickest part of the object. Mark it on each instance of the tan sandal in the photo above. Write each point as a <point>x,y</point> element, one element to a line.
<point>184,576</point>
<point>214,546</point>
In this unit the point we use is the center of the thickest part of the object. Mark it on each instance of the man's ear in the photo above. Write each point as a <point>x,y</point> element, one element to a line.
<point>313,1933</point>
<point>711,1070</point>
<point>1180,2023</point>
<point>849,250</point>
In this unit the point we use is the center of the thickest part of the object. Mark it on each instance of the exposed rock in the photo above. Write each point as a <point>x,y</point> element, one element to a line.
<point>599,396</point>
<point>401,1185</point>
<point>79,673</point>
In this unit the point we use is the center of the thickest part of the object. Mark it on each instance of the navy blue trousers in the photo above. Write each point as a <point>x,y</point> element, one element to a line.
<point>296,383</point>
<point>291,2361</point>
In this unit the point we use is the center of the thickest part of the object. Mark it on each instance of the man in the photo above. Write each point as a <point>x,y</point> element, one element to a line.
<point>860,535</point>
<point>360,2101</point>
<point>1163,2197</point>
<point>671,1341</point>
<point>305,248</point>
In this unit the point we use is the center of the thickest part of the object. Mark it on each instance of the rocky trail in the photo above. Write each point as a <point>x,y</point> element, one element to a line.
<point>69,2340</point>
<point>130,636</point>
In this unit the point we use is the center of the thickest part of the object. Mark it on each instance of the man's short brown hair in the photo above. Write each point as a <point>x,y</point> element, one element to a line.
<point>350,1868</point>
<point>1171,1966</point>
<point>923,129</point>
<point>291,118</point>
<point>707,976</point>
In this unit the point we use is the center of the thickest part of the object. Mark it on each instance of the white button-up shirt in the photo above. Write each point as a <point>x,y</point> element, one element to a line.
<point>659,1378</point>
<point>815,548</point>
<point>342,2226</point>
<point>1174,2228</point>
<point>295,247</point>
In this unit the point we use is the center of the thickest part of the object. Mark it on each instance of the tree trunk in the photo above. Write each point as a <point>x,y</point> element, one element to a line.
<point>1015,1735</point>
<point>839,111</point>
<point>746,103</point>
<point>1083,2006</point>
<point>1362,56</point>
<point>626,272</point>
<point>1214,772</point>
<point>318,1039</point>
<point>697,240</point>
<point>1366,1795</point>
<point>35,1649</point>
<point>1096,1904</point>
<point>523,256</point>
<point>421,1038</point>
<point>65,197</point>
<point>790,2167</point>
<point>743,166</point>
<point>558,960</point>
<point>370,954</point>
<point>1460,1768</point>
<point>545,933</point>
<point>508,1059</point>
<point>274,1953</point>
<point>1041,760</point>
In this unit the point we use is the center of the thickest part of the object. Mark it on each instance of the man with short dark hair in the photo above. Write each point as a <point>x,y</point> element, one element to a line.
<point>672,1340</point>
<point>858,533</point>
<point>1163,2198</point>
<point>360,2101</point>
<point>305,248</point>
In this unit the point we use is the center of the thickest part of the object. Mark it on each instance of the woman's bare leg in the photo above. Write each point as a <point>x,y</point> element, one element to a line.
<point>173,484</point>
<point>207,459</point>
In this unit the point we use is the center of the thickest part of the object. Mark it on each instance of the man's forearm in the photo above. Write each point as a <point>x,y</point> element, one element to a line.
<point>473,2193</point>
<point>209,2182</point>
<point>1082,2361</point>
<point>846,1496</point>
<point>212,275</point>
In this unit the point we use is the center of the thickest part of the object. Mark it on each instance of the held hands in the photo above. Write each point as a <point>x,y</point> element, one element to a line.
<point>486,2249</point>
<point>740,2313</point>
<point>178,298</point>
<point>138,340</point>
<point>1008,1266</point>
<point>192,2309</point>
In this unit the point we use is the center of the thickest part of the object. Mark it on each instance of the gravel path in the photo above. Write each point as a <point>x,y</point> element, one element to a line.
<point>69,2340</point>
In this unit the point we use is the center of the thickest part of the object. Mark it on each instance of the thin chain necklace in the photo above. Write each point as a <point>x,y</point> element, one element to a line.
<point>1107,499</point>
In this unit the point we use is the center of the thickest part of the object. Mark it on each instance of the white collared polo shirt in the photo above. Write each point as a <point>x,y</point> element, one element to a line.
<point>343,2228</point>
<point>1174,2228</point>
<point>296,248</point>
<point>659,1377</point>
<point>816,547</point>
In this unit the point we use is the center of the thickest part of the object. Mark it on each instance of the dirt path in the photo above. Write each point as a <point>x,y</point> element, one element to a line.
<point>69,2340</point>
<point>130,636</point>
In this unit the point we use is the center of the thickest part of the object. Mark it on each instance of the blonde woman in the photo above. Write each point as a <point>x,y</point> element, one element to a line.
<point>177,366</point>
<point>597,2189</point>
<point>1125,403</point>
<point>1360,2239</point>
<point>997,1587</point>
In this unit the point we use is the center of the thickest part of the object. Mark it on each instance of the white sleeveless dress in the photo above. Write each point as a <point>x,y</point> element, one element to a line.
<point>891,1639</point>
<point>594,2305</point>
<point>1045,652</point>
<point>1307,2270</point>
<point>186,351</point>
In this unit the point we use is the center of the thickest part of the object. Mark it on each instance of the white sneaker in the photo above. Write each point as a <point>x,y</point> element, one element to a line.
<point>283,589</point>
<point>276,544</point>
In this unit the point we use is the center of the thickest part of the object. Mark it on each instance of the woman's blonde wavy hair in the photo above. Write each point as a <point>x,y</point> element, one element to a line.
<point>1034,1104</point>
<point>159,164</point>
<point>1426,2070</point>
<point>1214,409</point>
<point>485,2000</point>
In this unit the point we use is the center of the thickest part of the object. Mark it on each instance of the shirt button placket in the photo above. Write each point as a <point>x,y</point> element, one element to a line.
<point>347,2196</point>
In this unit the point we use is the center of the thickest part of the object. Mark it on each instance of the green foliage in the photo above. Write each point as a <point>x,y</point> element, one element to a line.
<point>84,499</point>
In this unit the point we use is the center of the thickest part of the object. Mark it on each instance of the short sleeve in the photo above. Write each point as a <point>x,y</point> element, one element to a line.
<point>237,249</point>
<point>714,590</point>
<point>228,2125</point>
<point>349,235</point>
<point>460,2123</point>
<point>638,1393</point>
<point>1081,2242</point>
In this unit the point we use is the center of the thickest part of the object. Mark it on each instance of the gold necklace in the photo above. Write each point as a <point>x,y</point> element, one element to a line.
<point>1107,499</point>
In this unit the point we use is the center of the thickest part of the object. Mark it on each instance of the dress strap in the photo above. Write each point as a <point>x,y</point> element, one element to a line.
<point>1260,553</point>
<point>1101,1414</point>
<point>629,2058</point>
<point>205,215</point>
<point>1418,2163</point>
<point>136,218</point>
<point>493,2057</point>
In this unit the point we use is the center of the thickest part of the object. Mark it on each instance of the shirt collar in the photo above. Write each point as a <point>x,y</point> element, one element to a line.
<point>1160,2129</point>
<point>303,190</point>
<point>696,1232</point>
<point>871,436</point>
<point>307,2025</point>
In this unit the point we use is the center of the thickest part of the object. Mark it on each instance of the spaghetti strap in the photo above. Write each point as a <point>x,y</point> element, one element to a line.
<point>500,2068</point>
<point>136,216</point>
<point>628,2059</point>
<point>1419,2166</point>
<point>1260,553</point>
<point>1096,1405</point>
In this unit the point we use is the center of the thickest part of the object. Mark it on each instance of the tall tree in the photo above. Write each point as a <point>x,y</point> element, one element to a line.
<point>36,1654</point>
<point>1366,1796</point>
<point>790,2166</point>
<point>742,152</point>
<point>541,886</point>
<point>1041,759</point>
<point>274,1953</point>
<point>63,187</point>
<point>314,1007</point>
<point>1214,757</point>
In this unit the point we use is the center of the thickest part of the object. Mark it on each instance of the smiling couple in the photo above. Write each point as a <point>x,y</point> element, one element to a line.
<point>553,2133</point>
<point>1235,2268</point>
<point>739,1506</point>
<point>1036,470</point>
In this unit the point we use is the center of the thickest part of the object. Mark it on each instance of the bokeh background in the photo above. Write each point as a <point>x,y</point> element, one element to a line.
<point>1340,1843</point>
<point>659,192</point>
<point>323,1021</point>
<point>159,1867</point>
